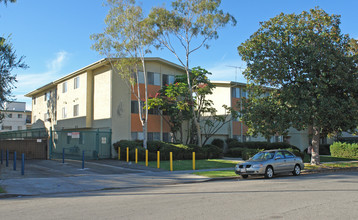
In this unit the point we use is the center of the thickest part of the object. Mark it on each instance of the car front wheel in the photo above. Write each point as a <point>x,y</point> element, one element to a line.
<point>269,172</point>
<point>297,170</point>
<point>244,176</point>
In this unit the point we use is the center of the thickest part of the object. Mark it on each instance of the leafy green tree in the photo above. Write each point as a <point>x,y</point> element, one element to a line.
<point>6,1</point>
<point>310,63</point>
<point>191,23</point>
<point>127,36</point>
<point>176,100</point>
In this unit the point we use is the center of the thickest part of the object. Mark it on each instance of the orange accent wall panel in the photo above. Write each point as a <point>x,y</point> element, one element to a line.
<point>136,126</point>
<point>235,103</point>
<point>166,127</point>
<point>236,128</point>
<point>152,91</point>
<point>154,123</point>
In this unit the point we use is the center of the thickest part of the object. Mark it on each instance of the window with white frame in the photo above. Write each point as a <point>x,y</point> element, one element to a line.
<point>64,112</point>
<point>64,87</point>
<point>76,82</point>
<point>153,78</point>
<point>19,115</point>
<point>34,99</point>
<point>34,118</point>
<point>75,110</point>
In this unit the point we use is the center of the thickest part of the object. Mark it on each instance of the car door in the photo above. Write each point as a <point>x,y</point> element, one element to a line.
<point>278,165</point>
<point>289,161</point>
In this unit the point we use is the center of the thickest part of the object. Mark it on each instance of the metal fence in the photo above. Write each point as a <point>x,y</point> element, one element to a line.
<point>24,134</point>
<point>96,144</point>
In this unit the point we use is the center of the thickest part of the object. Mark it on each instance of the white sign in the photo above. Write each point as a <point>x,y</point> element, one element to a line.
<point>39,140</point>
<point>104,140</point>
<point>75,134</point>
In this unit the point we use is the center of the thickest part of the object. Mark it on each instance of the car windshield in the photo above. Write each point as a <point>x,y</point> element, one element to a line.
<point>263,156</point>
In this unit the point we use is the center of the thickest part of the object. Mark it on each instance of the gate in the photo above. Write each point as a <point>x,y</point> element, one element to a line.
<point>72,144</point>
<point>32,142</point>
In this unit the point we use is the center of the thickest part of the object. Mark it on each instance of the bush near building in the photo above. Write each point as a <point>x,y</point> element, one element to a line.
<point>245,150</point>
<point>345,150</point>
<point>180,151</point>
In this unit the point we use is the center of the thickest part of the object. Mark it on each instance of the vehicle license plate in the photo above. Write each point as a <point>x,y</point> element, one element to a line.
<point>243,170</point>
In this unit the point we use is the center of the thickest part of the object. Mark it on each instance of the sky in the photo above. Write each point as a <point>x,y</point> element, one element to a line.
<point>54,36</point>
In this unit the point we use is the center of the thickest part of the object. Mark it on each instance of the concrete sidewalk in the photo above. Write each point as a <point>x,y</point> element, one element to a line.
<point>49,177</point>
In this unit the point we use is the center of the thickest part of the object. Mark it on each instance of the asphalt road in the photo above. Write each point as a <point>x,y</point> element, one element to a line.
<point>315,196</point>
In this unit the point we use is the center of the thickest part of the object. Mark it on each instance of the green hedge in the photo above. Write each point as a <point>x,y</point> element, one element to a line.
<point>344,150</point>
<point>260,145</point>
<point>180,151</point>
<point>245,153</point>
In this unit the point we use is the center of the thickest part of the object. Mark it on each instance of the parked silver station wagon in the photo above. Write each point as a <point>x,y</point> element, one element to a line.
<point>270,162</point>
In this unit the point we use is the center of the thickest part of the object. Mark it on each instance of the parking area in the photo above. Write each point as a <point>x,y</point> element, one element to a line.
<point>55,168</point>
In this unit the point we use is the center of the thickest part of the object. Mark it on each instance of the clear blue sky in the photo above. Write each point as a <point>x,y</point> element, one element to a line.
<point>54,35</point>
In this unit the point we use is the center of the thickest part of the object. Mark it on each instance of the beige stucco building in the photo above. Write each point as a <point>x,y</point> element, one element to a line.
<point>96,97</point>
<point>15,117</point>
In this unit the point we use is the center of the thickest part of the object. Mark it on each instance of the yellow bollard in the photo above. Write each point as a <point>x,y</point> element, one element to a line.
<point>193,160</point>
<point>171,161</point>
<point>158,159</point>
<point>136,155</point>
<point>146,158</point>
<point>119,153</point>
<point>127,154</point>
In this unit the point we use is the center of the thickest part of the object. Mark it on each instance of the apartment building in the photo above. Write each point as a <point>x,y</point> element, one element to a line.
<point>231,94</point>
<point>96,97</point>
<point>15,117</point>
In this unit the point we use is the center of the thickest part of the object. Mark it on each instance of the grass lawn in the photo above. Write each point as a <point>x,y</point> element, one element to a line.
<point>230,173</point>
<point>327,158</point>
<point>188,164</point>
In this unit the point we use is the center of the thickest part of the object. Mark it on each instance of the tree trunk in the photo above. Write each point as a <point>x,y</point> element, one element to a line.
<point>315,160</point>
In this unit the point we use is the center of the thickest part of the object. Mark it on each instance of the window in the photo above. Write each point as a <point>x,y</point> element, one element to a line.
<point>137,135</point>
<point>10,115</point>
<point>64,112</point>
<point>8,128</point>
<point>167,137</point>
<point>76,82</point>
<point>279,155</point>
<point>28,118</point>
<point>153,136</point>
<point>75,110</point>
<point>19,115</point>
<point>235,92</point>
<point>47,96</point>
<point>288,154</point>
<point>19,127</point>
<point>153,111</point>
<point>34,99</point>
<point>153,78</point>
<point>168,79</point>
<point>244,93</point>
<point>64,87</point>
<point>134,106</point>
<point>34,118</point>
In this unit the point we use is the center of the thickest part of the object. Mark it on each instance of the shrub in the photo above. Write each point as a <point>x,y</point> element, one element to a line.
<point>344,150</point>
<point>231,142</point>
<point>234,152</point>
<point>247,153</point>
<point>212,151</point>
<point>218,142</point>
